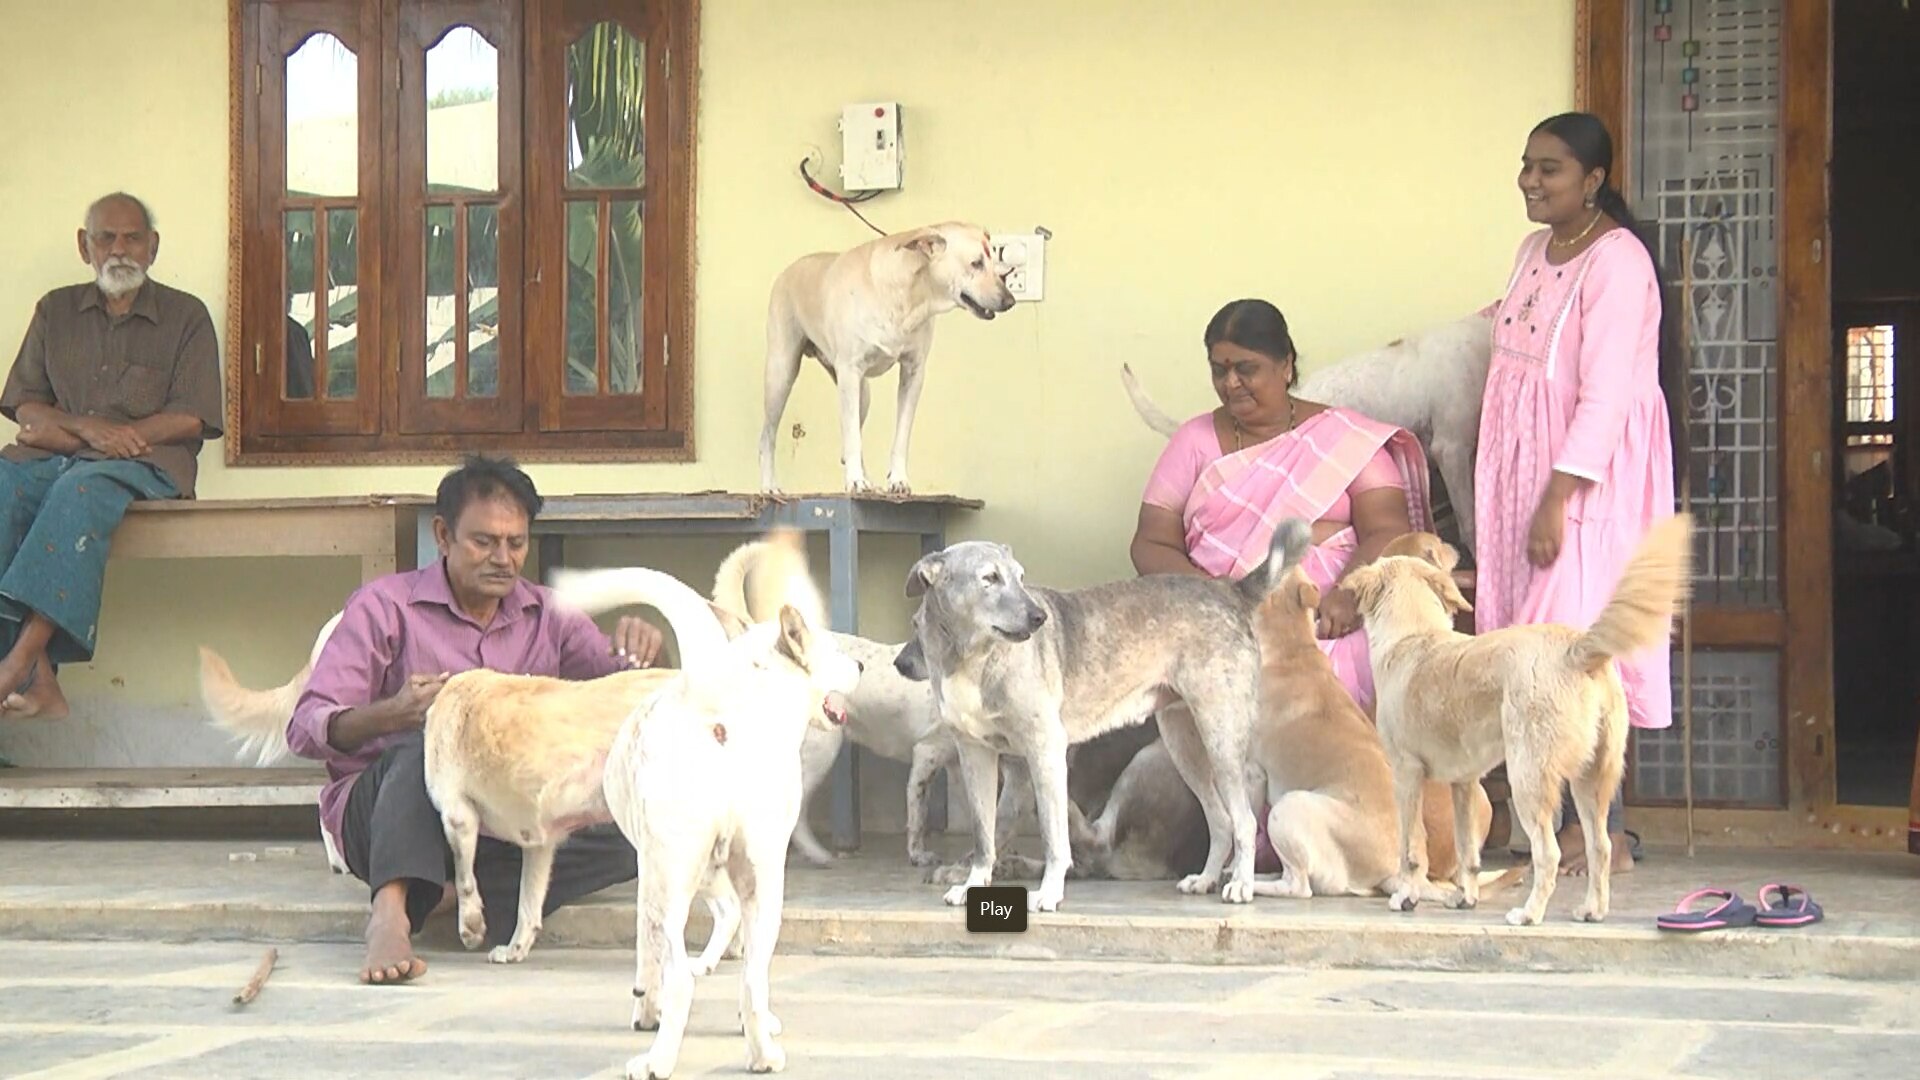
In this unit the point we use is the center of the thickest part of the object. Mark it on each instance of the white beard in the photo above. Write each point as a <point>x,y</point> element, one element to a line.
<point>120,277</point>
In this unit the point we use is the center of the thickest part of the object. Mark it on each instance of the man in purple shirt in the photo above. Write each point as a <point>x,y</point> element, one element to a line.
<point>398,641</point>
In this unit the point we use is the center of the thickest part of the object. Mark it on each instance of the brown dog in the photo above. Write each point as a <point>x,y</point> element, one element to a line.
<point>1330,790</point>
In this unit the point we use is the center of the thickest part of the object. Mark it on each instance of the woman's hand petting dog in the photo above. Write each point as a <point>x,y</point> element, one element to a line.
<point>637,641</point>
<point>1339,614</point>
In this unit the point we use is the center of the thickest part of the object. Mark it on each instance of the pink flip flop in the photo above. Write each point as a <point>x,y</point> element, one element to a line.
<point>1731,911</point>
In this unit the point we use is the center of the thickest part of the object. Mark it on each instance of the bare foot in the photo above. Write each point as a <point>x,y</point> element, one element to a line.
<point>41,697</point>
<point>1573,852</point>
<point>390,956</point>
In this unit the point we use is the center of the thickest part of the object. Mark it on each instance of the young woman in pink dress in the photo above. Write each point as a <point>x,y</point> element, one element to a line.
<point>1579,418</point>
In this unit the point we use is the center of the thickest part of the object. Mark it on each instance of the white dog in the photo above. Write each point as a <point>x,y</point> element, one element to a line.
<point>704,779</point>
<point>1429,383</point>
<point>862,311</point>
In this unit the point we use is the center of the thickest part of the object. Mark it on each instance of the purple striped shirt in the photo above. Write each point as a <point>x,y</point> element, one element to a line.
<point>408,624</point>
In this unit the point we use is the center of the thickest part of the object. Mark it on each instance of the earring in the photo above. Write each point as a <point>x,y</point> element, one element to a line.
<point>1589,202</point>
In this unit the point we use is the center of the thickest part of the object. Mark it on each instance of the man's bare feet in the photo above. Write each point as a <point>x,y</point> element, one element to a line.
<point>1573,851</point>
<point>390,956</point>
<point>40,697</point>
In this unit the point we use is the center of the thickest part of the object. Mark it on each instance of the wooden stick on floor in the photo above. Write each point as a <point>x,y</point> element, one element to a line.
<point>252,989</point>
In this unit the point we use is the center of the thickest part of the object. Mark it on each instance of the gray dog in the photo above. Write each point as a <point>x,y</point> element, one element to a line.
<point>1034,671</point>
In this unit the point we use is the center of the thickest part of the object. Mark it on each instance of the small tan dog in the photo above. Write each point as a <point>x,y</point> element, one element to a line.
<point>1329,787</point>
<point>1545,698</point>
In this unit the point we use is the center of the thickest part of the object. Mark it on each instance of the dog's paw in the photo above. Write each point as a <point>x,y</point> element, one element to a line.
<point>859,485</point>
<point>650,1066</point>
<point>1045,899</point>
<point>1589,913</point>
<point>703,967</point>
<point>767,1059</point>
<point>473,930</point>
<point>508,953</point>
<point>1520,916</point>
<point>956,896</point>
<point>1403,900</point>
<point>899,486</point>
<point>1197,884</point>
<point>1237,892</point>
<point>1459,901</point>
<point>923,859</point>
<point>646,1016</point>
<point>949,874</point>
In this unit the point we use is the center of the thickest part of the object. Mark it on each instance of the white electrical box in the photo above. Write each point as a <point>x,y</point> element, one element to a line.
<point>870,156</point>
<point>1024,255</point>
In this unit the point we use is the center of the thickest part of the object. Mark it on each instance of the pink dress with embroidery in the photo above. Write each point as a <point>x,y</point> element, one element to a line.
<point>1574,387</point>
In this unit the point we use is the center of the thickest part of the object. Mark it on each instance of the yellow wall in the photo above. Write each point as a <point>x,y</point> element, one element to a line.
<point>1351,161</point>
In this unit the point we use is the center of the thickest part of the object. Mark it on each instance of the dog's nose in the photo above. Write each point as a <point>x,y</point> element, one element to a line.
<point>859,668</point>
<point>1036,619</point>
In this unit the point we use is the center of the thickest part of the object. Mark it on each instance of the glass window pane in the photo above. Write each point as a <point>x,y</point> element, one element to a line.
<point>626,316</point>
<point>583,298</point>
<point>297,243</point>
<point>1706,147</point>
<point>606,114</point>
<point>463,114</point>
<point>483,301</point>
<point>323,120</point>
<point>441,249</point>
<point>342,298</point>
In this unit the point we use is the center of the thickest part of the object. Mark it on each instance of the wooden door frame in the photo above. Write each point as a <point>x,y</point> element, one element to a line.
<point>1811,818</point>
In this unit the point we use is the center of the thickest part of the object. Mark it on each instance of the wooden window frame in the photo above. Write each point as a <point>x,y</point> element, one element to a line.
<point>530,420</point>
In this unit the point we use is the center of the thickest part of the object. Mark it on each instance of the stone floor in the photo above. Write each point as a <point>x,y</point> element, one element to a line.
<point>874,904</point>
<point>85,1010</point>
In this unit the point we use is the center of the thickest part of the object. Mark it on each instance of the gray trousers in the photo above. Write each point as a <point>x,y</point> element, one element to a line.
<point>391,832</point>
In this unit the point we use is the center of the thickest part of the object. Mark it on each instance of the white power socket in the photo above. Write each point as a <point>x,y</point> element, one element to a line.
<point>871,158</point>
<point>1025,257</point>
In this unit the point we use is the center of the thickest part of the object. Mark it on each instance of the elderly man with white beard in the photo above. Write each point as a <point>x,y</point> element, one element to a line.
<point>114,389</point>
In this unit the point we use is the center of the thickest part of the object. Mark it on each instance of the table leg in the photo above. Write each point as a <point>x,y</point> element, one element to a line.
<point>936,791</point>
<point>843,559</point>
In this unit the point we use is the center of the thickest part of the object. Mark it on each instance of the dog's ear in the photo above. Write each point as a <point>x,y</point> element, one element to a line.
<point>926,243</point>
<point>1307,595</point>
<point>795,635</point>
<point>730,624</point>
<point>1365,584</point>
<point>924,574</point>
<point>1441,582</point>
<point>1445,557</point>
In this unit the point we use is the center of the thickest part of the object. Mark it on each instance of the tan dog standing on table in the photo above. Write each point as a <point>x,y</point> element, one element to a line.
<point>1545,698</point>
<point>862,311</point>
<point>1329,787</point>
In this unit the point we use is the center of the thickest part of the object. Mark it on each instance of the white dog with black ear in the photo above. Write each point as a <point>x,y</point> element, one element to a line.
<point>862,311</point>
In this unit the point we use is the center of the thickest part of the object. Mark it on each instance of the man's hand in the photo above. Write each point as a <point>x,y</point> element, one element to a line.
<point>637,641</point>
<point>413,699</point>
<point>404,711</point>
<point>1339,614</point>
<point>113,440</point>
<point>51,438</point>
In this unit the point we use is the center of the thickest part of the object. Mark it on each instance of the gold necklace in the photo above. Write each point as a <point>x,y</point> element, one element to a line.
<point>1240,433</point>
<point>1597,215</point>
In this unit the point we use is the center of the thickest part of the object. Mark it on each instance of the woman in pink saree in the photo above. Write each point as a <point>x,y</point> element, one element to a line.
<point>1228,477</point>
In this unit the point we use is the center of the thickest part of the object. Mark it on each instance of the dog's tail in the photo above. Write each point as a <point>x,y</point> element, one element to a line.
<point>697,629</point>
<point>1640,614</point>
<point>258,718</point>
<point>1500,879</point>
<point>1291,538</point>
<point>757,577</point>
<point>1156,418</point>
